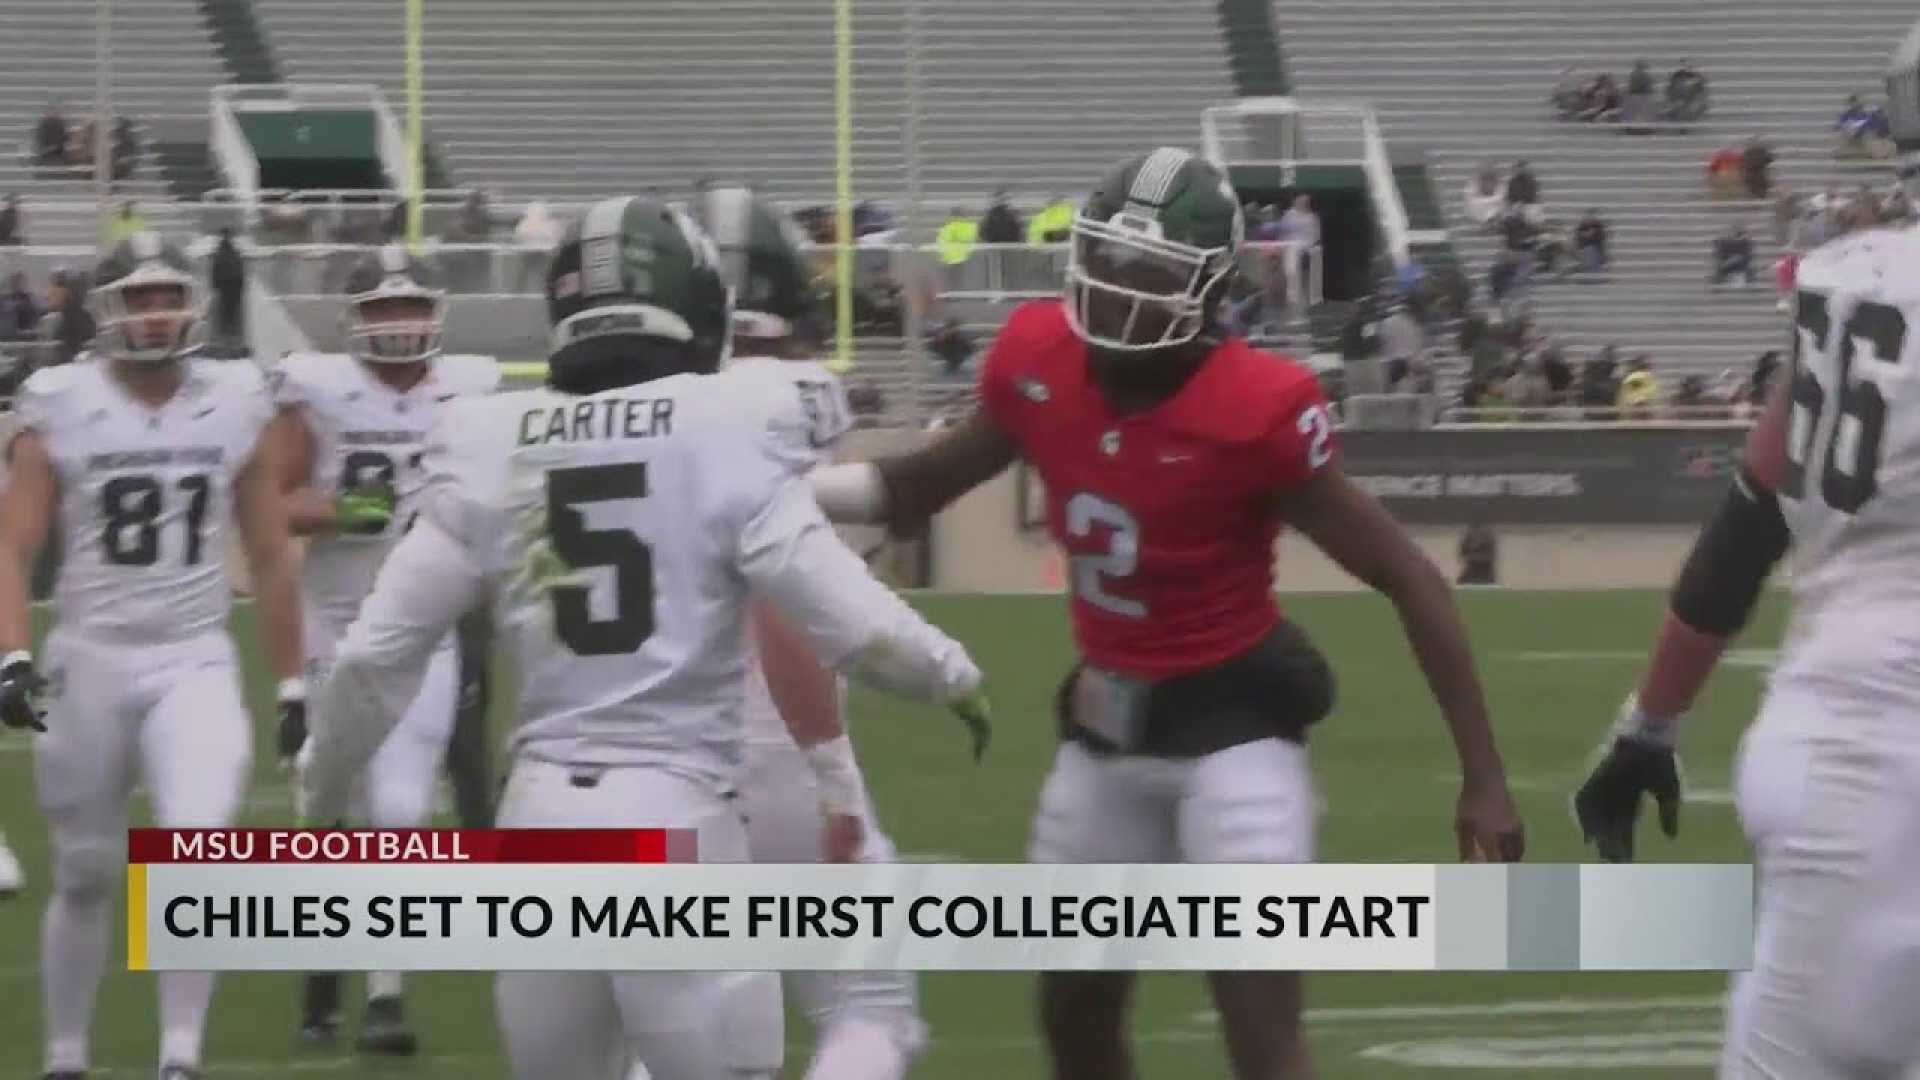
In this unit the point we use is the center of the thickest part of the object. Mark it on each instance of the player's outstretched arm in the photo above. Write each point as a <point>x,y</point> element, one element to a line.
<point>1358,533</point>
<point>904,490</point>
<point>26,510</point>
<point>427,583</point>
<point>808,698</point>
<point>262,515</point>
<point>854,624</point>
<point>1712,600</point>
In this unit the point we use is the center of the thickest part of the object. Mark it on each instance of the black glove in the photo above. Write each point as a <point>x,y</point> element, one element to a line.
<point>20,689</point>
<point>293,725</point>
<point>1608,804</point>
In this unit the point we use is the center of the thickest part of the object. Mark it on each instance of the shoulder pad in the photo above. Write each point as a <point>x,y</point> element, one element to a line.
<point>800,405</point>
<point>41,397</point>
<point>469,373</point>
<point>297,377</point>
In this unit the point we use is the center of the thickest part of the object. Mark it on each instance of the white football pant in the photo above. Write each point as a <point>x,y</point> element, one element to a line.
<point>172,716</point>
<point>679,1025</point>
<point>1828,787</point>
<point>1251,803</point>
<point>866,1024</point>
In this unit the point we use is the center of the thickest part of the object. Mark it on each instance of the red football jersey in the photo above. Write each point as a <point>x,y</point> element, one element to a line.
<point>1165,515</point>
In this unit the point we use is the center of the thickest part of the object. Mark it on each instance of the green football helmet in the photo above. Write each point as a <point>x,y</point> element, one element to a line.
<point>145,300</point>
<point>1152,252</point>
<point>763,258</point>
<point>636,283</point>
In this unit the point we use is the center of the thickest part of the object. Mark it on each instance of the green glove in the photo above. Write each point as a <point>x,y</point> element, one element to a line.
<point>976,712</point>
<point>363,510</point>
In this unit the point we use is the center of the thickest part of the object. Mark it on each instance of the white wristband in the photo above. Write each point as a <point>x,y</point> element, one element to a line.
<point>852,494</point>
<point>842,789</point>
<point>17,656</point>
<point>1638,724</point>
<point>294,689</point>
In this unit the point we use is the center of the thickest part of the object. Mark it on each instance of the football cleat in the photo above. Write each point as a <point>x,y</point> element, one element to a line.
<point>320,1009</point>
<point>384,1030</point>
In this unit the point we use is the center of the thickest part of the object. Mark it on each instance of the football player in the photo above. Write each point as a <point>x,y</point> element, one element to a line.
<point>867,1024</point>
<point>1172,455</point>
<point>619,519</point>
<point>1828,777</point>
<point>145,454</point>
<point>351,430</point>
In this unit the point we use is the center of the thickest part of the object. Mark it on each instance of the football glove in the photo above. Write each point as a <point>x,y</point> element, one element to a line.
<point>1639,759</point>
<point>977,713</point>
<point>292,728</point>
<point>20,690</point>
<point>364,509</point>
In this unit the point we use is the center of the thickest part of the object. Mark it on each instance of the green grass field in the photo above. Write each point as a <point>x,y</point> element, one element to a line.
<point>1556,665</point>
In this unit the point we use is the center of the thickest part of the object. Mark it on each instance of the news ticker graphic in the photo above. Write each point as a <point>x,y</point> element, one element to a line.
<point>622,899</point>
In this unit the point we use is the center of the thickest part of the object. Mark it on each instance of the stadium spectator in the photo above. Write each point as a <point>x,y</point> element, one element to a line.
<point>10,229</point>
<point>1733,257</point>
<point>1723,172</point>
<point>67,323</point>
<point>81,144</point>
<point>1686,93</point>
<point>537,233</point>
<point>474,223</point>
<point>1569,94</point>
<point>1897,207</point>
<point>1527,388</point>
<point>1523,187</point>
<point>1479,551</point>
<point>227,281</point>
<point>1760,382</point>
<point>1602,99</point>
<point>1558,373</point>
<point>1691,394</point>
<point>1638,107</point>
<point>1756,167</point>
<point>1486,197</point>
<point>954,242</point>
<point>1506,277</point>
<point>1263,225</point>
<point>1863,210</point>
<point>1599,387</point>
<point>1553,247</point>
<point>125,149</point>
<point>950,344</point>
<point>1300,230</point>
<point>1864,130</point>
<point>1639,389</point>
<point>127,222</point>
<point>50,137</point>
<point>1401,341</point>
<point>1053,223</point>
<point>1001,223</point>
<point>19,310</point>
<point>1590,242</point>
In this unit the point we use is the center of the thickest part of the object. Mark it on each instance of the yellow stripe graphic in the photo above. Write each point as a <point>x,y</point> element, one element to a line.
<point>137,917</point>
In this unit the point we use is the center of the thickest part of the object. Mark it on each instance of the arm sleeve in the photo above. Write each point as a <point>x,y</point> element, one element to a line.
<point>1301,441</point>
<point>426,585</point>
<point>791,557</point>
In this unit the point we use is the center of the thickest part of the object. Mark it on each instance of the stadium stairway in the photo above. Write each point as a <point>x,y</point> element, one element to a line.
<point>162,72</point>
<point>1470,81</point>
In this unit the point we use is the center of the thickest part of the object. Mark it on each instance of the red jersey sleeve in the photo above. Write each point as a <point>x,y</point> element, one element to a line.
<point>1301,440</point>
<point>1007,380</point>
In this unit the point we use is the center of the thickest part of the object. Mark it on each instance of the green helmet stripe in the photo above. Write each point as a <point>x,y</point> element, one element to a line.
<point>1154,182</point>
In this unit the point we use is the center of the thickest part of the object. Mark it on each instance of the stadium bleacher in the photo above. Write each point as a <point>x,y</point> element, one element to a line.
<point>1469,82</point>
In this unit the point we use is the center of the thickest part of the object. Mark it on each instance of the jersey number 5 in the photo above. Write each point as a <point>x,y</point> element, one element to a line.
<point>1094,572</point>
<point>1849,476</point>
<point>585,549</point>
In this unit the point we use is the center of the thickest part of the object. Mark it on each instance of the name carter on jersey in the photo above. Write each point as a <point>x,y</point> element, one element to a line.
<point>639,418</point>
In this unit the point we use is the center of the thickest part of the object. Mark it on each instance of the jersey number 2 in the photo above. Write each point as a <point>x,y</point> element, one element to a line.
<point>130,506</point>
<point>1093,572</point>
<point>582,548</point>
<point>1849,477</point>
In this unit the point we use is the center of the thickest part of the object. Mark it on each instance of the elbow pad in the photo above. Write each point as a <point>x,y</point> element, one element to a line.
<point>1731,560</point>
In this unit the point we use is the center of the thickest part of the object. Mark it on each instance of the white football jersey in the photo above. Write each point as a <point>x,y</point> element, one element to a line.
<point>366,433</point>
<point>146,495</point>
<point>1851,492</point>
<point>616,526</point>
